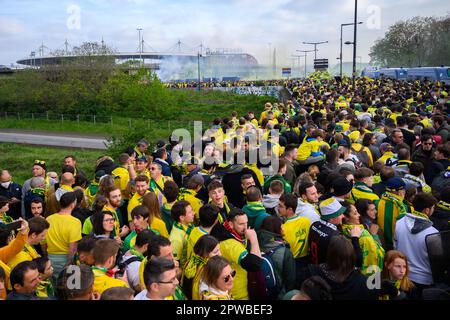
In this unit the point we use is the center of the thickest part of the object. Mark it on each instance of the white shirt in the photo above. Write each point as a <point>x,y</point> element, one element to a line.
<point>142,295</point>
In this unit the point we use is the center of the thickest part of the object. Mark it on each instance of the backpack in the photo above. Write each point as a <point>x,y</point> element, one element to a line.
<point>362,156</point>
<point>273,285</point>
<point>124,264</point>
<point>263,284</point>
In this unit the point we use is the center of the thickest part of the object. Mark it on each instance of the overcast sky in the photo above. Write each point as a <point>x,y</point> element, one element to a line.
<point>252,25</point>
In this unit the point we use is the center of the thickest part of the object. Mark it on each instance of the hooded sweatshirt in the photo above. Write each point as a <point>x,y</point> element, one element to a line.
<point>308,210</point>
<point>270,202</point>
<point>256,214</point>
<point>409,238</point>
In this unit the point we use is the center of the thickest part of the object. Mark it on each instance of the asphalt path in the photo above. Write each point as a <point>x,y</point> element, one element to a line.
<point>53,139</point>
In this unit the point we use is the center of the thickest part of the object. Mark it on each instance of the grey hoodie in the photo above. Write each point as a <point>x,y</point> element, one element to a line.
<point>410,235</point>
<point>306,209</point>
<point>270,201</point>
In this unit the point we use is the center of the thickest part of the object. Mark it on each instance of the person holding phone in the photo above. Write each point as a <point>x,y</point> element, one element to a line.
<point>10,248</point>
<point>4,208</point>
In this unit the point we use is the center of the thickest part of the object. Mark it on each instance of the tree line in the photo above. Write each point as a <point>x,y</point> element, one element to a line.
<point>419,41</point>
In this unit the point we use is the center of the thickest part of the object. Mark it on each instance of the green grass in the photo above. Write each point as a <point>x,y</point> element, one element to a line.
<point>204,106</point>
<point>18,159</point>
<point>119,125</point>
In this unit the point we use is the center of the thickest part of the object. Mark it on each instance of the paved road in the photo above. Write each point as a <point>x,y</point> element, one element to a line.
<point>53,139</point>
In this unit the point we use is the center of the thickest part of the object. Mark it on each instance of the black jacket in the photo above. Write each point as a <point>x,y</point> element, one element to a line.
<point>107,165</point>
<point>14,190</point>
<point>441,217</point>
<point>408,137</point>
<point>352,288</point>
<point>232,184</point>
<point>436,167</point>
<point>379,188</point>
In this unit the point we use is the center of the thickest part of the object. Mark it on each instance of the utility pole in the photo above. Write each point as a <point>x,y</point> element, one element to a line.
<point>360,62</point>
<point>306,53</point>
<point>67,46</point>
<point>315,47</point>
<point>198,70</point>
<point>355,27</point>
<point>274,63</point>
<point>298,59</point>
<point>340,55</point>
<point>140,49</point>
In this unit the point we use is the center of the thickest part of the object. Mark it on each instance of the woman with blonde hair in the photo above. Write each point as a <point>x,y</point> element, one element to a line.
<point>396,269</point>
<point>150,200</point>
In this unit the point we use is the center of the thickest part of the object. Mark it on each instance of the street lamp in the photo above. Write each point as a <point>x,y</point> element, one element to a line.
<point>360,62</point>
<point>340,55</point>
<point>355,27</point>
<point>305,52</point>
<point>140,45</point>
<point>298,57</point>
<point>198,70</point>
<point>315,46</point>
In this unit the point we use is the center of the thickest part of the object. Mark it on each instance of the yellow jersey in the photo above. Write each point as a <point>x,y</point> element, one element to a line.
<point>64,229</point>
<point>296,231</point>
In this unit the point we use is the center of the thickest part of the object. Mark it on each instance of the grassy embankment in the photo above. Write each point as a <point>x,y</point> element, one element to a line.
<point>203,106</point>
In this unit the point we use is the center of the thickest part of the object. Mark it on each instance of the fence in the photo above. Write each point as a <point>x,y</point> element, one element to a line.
<point>113,122</point>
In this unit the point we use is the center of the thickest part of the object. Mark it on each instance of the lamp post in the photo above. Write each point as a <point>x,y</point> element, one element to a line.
<point>360,62</point>
<point>315,47</point>
<point>198,70</point>
<point>298,57</point>
<point>305,52</point>
<point>340,55</point>
<point>355,27</point>
<point>140,44</point>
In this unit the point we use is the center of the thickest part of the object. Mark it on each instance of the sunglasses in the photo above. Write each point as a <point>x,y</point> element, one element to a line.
<point>39,162</point>
<point>231,275</point>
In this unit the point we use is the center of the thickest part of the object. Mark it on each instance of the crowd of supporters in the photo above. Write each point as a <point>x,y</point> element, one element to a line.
<point>341,193</point>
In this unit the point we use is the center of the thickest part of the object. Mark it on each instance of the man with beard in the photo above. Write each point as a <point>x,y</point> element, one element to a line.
<point>240,246</point>
<point>113,205</point>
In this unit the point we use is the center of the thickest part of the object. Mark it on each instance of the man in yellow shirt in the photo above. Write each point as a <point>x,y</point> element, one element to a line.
<point>141,147</point>
<point>63,234</point>
<point>105,252</point>
<point>240,246</point>
<point>308,151</point>
<point>183,215</point>
<point>113,205</point>
<point>189,194</point>
<point>295,229</point>
<point>363,186</point>
<point>208,218</point>
<point>141,166</point>
<point>38,230</point>
<point>123,173</point>
<point>141,186</point>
